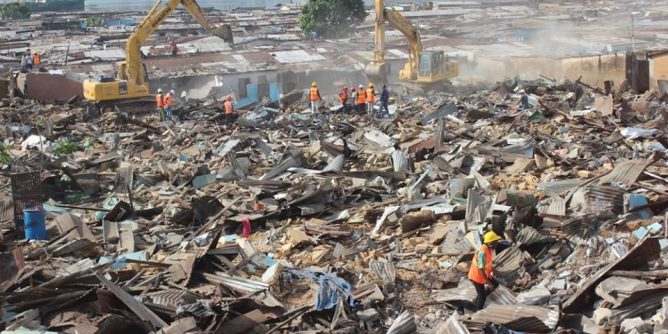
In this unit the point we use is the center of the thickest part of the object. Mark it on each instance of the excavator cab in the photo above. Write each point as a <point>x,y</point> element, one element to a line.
<point>434,66</point>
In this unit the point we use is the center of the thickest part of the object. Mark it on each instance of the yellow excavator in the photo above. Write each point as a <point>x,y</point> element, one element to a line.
<point>423,67</point>
<point>130,89</point>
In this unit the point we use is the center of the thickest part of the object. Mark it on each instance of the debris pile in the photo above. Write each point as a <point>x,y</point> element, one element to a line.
<point>291,222</point>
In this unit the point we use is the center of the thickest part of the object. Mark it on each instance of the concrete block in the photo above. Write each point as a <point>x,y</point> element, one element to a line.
<point>536,296</point>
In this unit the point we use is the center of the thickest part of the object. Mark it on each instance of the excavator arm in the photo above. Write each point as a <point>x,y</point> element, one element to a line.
<point>376,70</point>
<point>412,34</point>
<point>155,17</point>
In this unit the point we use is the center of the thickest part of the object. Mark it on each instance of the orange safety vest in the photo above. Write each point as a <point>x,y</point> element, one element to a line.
<point>361,96</point>
<point>315,95</point>
<point>168,100</point>
<point>228,108</point>
<point>36,59</point>
<point>343,96</point>
<point>158,101</point>
<point>474,272</point>
<point>371,96</point>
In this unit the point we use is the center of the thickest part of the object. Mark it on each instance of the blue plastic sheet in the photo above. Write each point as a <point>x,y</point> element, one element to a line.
<point>331,289</point>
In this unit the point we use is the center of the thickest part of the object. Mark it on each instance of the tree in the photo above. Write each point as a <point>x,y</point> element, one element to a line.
<point>15,11</point>
<point>331,18</point>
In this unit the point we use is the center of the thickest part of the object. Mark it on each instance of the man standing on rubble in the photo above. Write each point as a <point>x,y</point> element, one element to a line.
<point>27,61</point>
<point>160,104</point>
<point>36,59</point>
<point>370,99</point>
<point>384,100</point>
<point>524,100</point>
<point>169,103</point>
<point>343,97</point>
<point>481,272</point>
<point>314,94</point>
<point>361,99</point>
<point>229,110</point>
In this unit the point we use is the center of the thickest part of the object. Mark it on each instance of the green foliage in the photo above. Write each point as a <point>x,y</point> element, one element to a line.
<point>331,18</point>
<point>15,11</point>
<point>64,147</point>
<point>5,158</point>
<point>93,22</point>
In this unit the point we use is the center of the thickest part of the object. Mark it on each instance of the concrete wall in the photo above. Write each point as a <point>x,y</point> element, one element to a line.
<point>48,88</point>
<point>658,70</point>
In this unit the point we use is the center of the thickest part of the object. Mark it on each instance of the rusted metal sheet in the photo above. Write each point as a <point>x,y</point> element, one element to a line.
<point>11,264</point>
<point>532,319</point>
<point>638,256</point>
<point>137,307</point>
<point>626,173</point>
<point>553,206</point>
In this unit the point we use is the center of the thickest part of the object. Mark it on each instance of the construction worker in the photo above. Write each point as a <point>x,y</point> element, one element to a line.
<point>36,59</point>
<point>168,104</point>
<point>27,62</point>
<point>361,99</point>
<point>229,110</point>
<point>370,99</point>
<point>343,97</point>
<point>314,94</point>
<point>384,100</point>
<point>481,272</point>
<point>160,104</point>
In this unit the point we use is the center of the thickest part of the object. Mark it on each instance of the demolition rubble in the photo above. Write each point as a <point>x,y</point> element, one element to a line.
<point>292,222</point>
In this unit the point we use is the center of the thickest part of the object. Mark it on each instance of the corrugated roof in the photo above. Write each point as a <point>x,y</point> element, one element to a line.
<point>509,264</point>
<point>554,188</point>
<point>626,173</point>
<point>553,206</point>
<point>524,318</point>
<point>501,296</point>
<point>529,236</point>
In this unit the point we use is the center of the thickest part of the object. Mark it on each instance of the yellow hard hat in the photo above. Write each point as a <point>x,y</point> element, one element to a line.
<point>371,85</point>
<point>491,237</point>
<point>314,84</point>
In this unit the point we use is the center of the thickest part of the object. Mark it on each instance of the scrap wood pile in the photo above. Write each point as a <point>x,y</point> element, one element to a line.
<point>289,223</point>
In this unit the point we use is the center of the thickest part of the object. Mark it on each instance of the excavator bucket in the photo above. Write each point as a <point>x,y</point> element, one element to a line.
<point>224,32</point>
<point>376,72</point>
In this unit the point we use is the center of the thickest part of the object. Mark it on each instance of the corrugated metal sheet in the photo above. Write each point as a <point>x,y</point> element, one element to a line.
<point>172,297</point>
<point>336,165</point>
<point>596,199</point>
<point>454,326</point>
<point>464,292</point>
<point>524,318</point>
<point>530,236</point>
<point>553,206</point>
<point>400,160</point>
<point>638,256</point>
<point>236,283</point>
<point>558,187</point>
<point>509,264</point>
<point>501,296</point>
<point>626,173</point>
<point>478,207</point>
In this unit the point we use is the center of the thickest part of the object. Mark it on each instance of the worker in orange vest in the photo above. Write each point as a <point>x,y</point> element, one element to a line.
<point>343,97</point>
<point>36,59</point>
<point>481,272</point>
<point>168,103</point>
<point>361,99</point>
<point>314,94</point>
<point>160,104</point>
<point>229,110</point>
<point>370,99</point>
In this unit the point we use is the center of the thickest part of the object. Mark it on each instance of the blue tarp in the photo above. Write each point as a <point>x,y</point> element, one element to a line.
<point>332,288</point>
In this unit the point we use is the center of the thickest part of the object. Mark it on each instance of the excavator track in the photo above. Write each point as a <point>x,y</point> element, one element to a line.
<point>140,106</point>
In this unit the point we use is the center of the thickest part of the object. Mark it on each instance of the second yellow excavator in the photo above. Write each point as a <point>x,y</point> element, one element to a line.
<point>423,67</point>
<point>130,88</point>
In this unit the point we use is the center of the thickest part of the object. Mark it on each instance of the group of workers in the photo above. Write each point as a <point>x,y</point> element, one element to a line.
<point>360,99</point>
<point>164,103</point>
<point>30,60</point>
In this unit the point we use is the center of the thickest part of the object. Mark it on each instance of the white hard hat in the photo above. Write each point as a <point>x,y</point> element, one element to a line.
<point>361,86</point>
<point>172,92</point>
<point>159,90</point>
